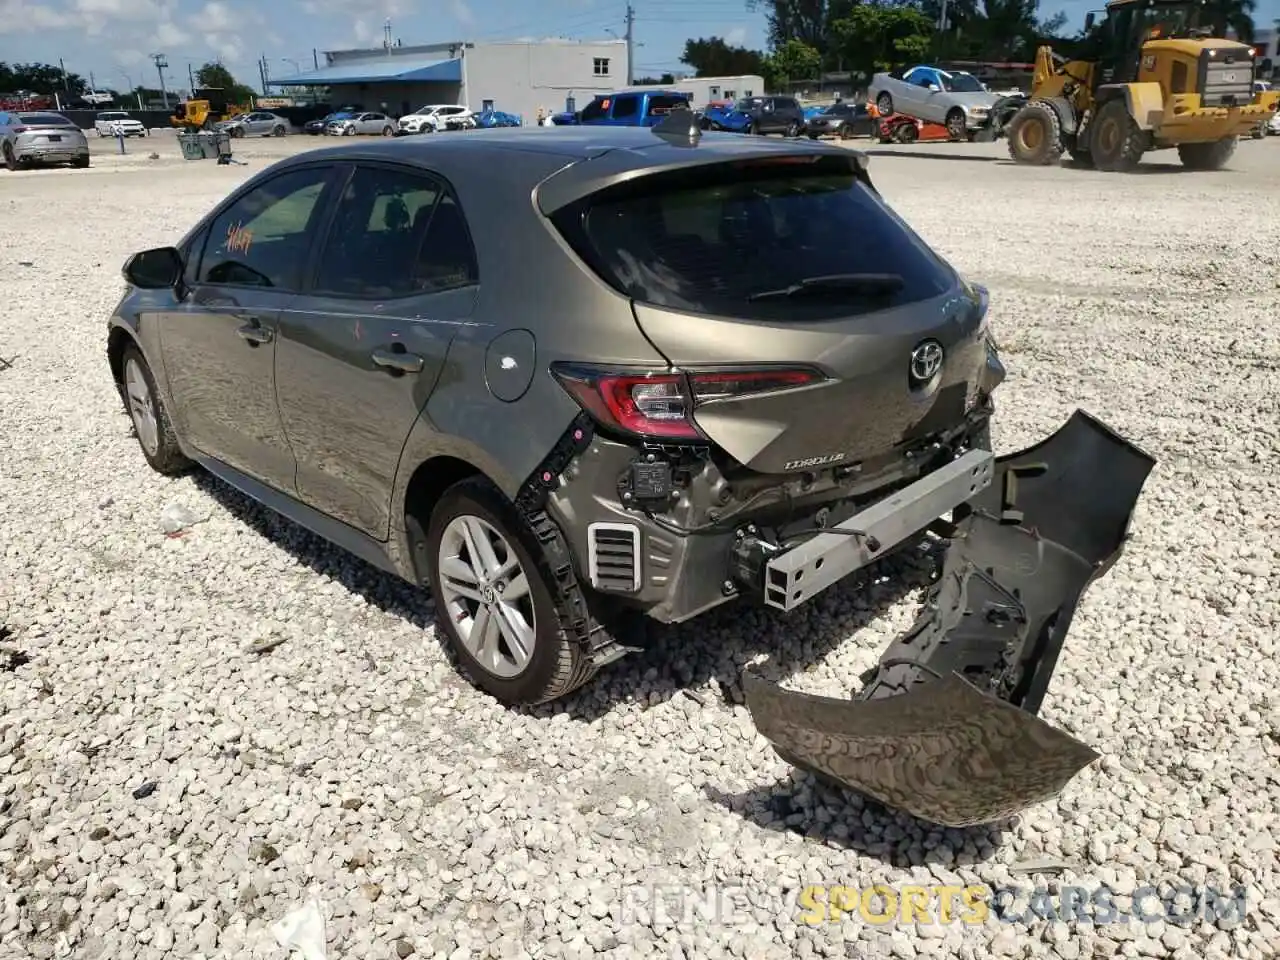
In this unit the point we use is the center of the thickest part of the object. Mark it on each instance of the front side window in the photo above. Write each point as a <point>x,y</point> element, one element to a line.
<point>731,238</point>
<point>262,239</point>
<point>396,233</point>
<point>597,109</point>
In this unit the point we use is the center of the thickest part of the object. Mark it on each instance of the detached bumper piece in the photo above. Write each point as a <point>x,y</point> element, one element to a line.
<point>945,728</point>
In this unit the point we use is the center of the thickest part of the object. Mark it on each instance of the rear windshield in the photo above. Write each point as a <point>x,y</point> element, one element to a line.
<point>43,120</point>
<point>705,239</point>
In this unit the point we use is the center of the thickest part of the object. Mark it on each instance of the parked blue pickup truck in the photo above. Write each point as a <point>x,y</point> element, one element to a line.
<point>636,108</point>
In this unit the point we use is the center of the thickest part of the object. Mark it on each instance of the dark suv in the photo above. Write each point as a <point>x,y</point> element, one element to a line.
<point>563,380</point>
<point>772,115</point>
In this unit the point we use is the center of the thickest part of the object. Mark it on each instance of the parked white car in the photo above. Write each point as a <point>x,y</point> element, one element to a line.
<point>113,123</point>
<point>375,124</point>
<point>432,118</point>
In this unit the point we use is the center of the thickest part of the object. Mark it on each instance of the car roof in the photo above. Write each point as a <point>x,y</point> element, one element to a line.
<point>597,156</point>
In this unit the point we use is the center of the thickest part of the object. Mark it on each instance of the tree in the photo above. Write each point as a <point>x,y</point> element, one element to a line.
<point>873,37</point>
<point>216,75</point>
<point>665,80</point>
<point>794,60</point>
<point>1234,15</point>
<point>44,78</point>
<point>712,57</point>
<point>803,20</point>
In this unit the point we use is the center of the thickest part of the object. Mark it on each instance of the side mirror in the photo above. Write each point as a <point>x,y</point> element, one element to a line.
<point>934,88</point>
<point>157,269</point>
<point>1089,20</point>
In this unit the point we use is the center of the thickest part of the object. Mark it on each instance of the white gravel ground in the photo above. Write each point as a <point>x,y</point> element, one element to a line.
<point>349,764</point>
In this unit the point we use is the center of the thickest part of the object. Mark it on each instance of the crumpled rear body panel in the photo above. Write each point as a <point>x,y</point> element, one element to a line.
<point>946,728</point>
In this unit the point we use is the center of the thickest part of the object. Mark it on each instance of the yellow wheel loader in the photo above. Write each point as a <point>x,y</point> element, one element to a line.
<point>207,107</point>
<point>1152,79</point>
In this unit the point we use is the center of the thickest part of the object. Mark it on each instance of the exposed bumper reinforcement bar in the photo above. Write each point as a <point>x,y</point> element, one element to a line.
<point>793,577</point>
<point>946,728</point>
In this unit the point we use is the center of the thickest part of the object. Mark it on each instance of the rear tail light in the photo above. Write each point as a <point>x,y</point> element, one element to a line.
<point>661,404</point>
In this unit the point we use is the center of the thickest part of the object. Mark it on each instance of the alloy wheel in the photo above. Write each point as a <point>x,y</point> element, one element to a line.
<point>486,595</point>
<point>142,407</point>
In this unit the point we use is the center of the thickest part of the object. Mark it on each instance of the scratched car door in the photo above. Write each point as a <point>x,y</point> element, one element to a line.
<point>360,352</point>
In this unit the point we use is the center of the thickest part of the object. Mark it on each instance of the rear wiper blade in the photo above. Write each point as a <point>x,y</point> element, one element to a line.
<point>855,283</point>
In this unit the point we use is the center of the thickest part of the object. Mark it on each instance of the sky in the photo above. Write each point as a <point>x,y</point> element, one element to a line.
<point>113,39</point>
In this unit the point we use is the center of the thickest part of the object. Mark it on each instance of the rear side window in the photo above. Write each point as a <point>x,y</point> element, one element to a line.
<point>725,238</point>
<point>664,103</point>
<point>396,233</point>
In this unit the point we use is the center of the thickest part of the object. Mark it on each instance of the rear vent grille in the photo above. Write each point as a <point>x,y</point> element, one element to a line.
<point>613,557</point>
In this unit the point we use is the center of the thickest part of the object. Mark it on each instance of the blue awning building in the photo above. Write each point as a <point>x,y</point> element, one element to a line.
<point>515,76</point>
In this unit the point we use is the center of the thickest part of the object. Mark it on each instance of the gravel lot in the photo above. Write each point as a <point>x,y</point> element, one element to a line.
<point>349,764</point>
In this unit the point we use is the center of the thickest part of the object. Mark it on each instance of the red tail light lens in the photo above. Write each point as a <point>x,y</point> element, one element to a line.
<point>660,404</point>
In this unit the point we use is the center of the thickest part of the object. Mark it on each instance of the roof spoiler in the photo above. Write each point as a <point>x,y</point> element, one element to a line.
<point>679,128</point>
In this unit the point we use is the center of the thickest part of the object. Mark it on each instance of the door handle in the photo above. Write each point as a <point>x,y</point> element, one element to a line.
<point>398,360</point>
<point>255,333</point>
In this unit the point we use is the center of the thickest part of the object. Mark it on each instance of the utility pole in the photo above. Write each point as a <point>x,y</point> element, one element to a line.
<point>263,73</point>
<point>161,63</point>
<point>631,22</point>
<point>942,20</point>
<point>191,80</point>
<point>315,58</point>
<point>66,82</point>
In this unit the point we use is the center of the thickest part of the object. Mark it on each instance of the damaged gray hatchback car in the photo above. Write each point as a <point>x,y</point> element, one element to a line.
<point>556,376</point>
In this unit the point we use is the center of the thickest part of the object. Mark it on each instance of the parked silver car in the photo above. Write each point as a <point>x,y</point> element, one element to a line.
<point>256,125</point>
<point>36,137</point>
<point>371,124</point>
<point>955,99</point>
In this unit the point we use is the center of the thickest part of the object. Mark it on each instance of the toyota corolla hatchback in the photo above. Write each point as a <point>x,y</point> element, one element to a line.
<point>553,377</point>
<point>561,378</point>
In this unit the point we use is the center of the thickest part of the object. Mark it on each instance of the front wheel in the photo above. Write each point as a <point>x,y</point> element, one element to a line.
<point>495,598</point>
<point>1035,135</point>
<point>884,103</point>
<point>749,129</point>
<point>349,132</point>
<point>388,131</point>
<point>10,161</point>
<point>1207,156</point>
<point>956,125</point>
<point>277,131</point>
<point>237,132</point>
<point>1116,143</point>
<point>151,424</point>
<point>793,130</point>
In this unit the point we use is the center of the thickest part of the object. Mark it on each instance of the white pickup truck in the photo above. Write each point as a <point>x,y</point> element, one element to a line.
<point>113,123</point>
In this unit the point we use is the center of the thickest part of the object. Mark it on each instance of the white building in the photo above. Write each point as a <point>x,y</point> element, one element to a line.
<point>516,76</point>
<point>703,90</point>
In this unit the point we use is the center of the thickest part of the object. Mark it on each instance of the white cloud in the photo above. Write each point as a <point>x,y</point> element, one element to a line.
<point>736,37</point>
<point>462,13</point>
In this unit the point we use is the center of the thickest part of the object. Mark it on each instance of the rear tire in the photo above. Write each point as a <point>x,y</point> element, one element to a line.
<point>555,663</point>
<point>1116,143</point>
<point>844,133</point>
<point>278,131</point>
<point>884,103</point>
<point>80,163</point>
<point>1207,156</point>
<point>1035,135</point>
<point>388,131</point>
<point>906,133</point>
<point>10,161</point>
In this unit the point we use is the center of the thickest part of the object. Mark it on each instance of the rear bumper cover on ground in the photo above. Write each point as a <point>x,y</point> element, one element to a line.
<point>946,727</point>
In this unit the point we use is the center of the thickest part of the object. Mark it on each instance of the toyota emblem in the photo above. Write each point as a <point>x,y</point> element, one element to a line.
<point>926,361</point>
